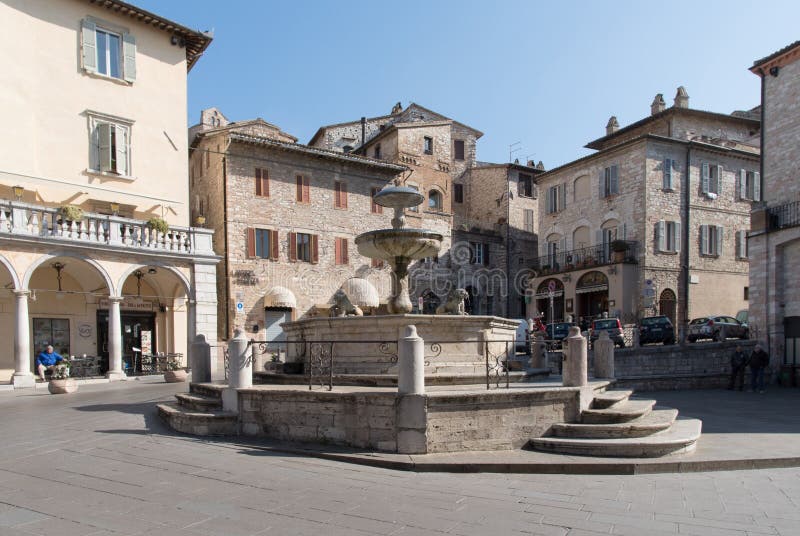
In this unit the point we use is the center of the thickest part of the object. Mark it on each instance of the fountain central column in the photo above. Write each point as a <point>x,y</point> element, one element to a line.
<point>400,302</point>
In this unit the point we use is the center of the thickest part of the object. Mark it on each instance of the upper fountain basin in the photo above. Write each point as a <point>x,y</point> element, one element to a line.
<point>398,197</point>
<point>390,243</point>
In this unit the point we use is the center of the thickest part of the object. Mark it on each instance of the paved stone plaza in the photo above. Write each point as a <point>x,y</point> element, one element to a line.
<point>100,462</point>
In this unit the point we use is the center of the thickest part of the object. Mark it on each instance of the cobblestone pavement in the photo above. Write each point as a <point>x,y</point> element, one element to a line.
<point>99,462</point>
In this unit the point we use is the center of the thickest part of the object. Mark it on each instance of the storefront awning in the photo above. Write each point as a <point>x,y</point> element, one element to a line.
<point>593,288</point>
<point>280,297</point>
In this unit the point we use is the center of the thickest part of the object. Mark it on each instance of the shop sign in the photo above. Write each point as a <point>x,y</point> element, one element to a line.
<point>130,304</point>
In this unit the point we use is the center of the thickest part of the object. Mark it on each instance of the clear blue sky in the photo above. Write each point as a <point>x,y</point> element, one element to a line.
<point>548,75</point>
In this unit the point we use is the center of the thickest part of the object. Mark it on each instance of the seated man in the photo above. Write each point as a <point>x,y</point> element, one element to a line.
<point>47,360</point>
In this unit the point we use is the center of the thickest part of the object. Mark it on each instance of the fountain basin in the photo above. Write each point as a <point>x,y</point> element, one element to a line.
<point>388,244</point>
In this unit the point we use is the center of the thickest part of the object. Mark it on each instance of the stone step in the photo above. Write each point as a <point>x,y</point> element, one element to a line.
<point>680,438</point>
<point>206,423</point>
<point>207,389</point>
<point>202,403</point>
<point>652,423</point>
<point>621,412</point>
<point>609,398</point>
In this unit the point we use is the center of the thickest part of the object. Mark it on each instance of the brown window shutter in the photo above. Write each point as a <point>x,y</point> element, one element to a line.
<point>343,195</point>
<point>299,188</point>
<point>292,247</point>
<point>251,242</point>
<point>337,252</point>
<point>343,248</point>
<point>336,190</point>
<point>274,246</point>
<point>314,249</point>
<point>258,181</point>
<point>265,183</point>
<point>306,190</point>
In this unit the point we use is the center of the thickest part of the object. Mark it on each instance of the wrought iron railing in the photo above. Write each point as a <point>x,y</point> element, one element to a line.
<point>496,354</point>
<point>599,255</point>
<point>784,216</point>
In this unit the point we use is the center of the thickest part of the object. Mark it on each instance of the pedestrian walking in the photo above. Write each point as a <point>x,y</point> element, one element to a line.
<point>739,362</point>
<point>759,360</point>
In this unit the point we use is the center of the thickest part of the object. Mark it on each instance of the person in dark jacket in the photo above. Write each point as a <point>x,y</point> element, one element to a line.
<point>47,360</point>
<point>738,364</point>
<point>759,360</point>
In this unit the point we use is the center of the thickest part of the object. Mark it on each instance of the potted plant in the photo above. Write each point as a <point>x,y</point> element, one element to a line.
<point>175,373</point>
<point>70,213</point>
<point>60,382</point>
<point>619,248</point>
<point>158,224</point>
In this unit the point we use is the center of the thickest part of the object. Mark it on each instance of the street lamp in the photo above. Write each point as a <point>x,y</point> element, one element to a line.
<point>18,191</point>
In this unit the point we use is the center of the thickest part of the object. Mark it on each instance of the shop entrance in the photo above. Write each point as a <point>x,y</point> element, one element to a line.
<point>591,293</point>
<point>138,331</point>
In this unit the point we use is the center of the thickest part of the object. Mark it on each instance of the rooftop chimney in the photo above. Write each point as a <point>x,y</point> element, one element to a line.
<point>658,104</point>
<point>681,98</point>
<point>540,166</point>
<point>612,126</point>
<point>531,163</point>
<point>397,108</point>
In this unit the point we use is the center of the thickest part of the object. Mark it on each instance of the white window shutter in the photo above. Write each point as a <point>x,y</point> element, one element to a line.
<point>704,173</point>
<point>563,196</point>
<point>122,150</point>
<point>742,185</point>
<point>719,180</point>
<point>677,227</point>
<point>548,194</point>
<point>661,236</point>
<point>89,45</point>
<point>129,57</point>
<point>603,192</point>
<point>104,146</point>
<point>718,241</point>
<point>757,186</point>
<point>704,239</point>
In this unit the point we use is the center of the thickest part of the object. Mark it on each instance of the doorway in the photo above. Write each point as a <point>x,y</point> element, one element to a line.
<point>138,331</point>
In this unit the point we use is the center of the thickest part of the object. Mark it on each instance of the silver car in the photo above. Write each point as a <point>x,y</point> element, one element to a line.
<point>717,328</point>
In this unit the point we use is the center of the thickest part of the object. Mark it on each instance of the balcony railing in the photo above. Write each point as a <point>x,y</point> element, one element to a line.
<point>784,216</point>
<point>26,220</point>
<point>578,259</point>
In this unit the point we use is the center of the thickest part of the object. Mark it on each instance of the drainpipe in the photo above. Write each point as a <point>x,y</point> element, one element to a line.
<point>508,242</point>
<point>225,241</point>
<point>686,234</point>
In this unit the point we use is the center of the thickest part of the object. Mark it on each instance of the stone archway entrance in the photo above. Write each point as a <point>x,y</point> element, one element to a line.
<point>543,300</point>
<point>591,293</point>
<point>668,305</point>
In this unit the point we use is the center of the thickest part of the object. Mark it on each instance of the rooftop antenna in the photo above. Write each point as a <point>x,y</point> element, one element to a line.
<point>513,148</point>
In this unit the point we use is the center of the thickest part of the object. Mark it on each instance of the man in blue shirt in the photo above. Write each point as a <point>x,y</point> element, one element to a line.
<point>47,360</point>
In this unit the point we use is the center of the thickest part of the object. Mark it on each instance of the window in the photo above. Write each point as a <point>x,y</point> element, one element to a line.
<point>435,200</point>
<point>556,198</point>
<point>458,149</point>
<point>711,240</point>
<point>427,145</point>
<point>378,151</point>
<point>746,294</point>
<point>262,182</point>
<point>303,247</point>
<point>668,236</point>
<point>609,182</point>
<point>303,189</point>
<point>340,251</point>
<point>375,208</point>
<point>710,179</point>
<point>106,52</point>
<point>479,253</point>
<point>749,185</point>
<point>525,185</point>
<point>667,181</point>
<point>339,194</point>
<point>110,145</point>
<point>528,220</point>
<point>262,244</point>
<point>741,245</point>
<point>458,193</point>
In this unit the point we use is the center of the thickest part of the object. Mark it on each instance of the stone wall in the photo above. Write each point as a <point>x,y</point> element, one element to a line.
<point>781,134</point>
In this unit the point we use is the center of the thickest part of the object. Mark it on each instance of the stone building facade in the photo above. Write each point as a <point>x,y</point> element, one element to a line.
<point>98,150</point>
<point>774,312</point>
<point>284,217</point>
<point>655,222</point>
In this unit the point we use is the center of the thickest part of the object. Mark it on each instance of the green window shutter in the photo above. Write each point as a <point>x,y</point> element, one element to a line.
<point>121,149</point>
<point>603,192</point>
<point>563,196</point>
<point>89,45</point>
<point>548,194</point>
<point>104,146</point>
<point>129,57</point>
<point>718,241</point>
<point>705,171</point>
<point>704,239</point>
<point>667,180</point>
<point>614,180</point>
<point>757,186</point>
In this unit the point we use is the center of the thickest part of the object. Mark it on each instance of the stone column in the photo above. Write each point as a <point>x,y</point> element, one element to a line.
<point>538,358</point>
<point>575,370</point>
<point>22,343</point>
<point>115,371</point>
<point>411,357</point>
<point>240,370</point>
<point>191,329</point>
<point>200,359</point>
<point>604,356</point>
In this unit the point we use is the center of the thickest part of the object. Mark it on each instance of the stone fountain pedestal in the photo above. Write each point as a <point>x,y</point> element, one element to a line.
<point>461,352</point>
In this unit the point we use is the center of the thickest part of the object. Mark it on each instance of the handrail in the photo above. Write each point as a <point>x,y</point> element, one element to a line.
<point>598,255</point>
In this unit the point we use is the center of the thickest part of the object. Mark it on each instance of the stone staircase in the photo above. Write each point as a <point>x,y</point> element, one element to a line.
<point>616,426</point>
<point>199,412</point>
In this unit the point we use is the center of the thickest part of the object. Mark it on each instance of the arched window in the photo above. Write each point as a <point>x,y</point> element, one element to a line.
<point>435,200</point>
<point>581,188</point>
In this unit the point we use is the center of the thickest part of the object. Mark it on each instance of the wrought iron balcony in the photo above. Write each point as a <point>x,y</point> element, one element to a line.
<point>618,251</point>
<point>784,216</point>
<point>26,221</point>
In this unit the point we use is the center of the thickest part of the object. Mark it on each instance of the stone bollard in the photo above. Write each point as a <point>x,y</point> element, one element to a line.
<point>538,358</point>
<point>575,366</point>
<point>411,360</point>
<point>200,360</point>
<point>240,370</point>
<point>604,356</point>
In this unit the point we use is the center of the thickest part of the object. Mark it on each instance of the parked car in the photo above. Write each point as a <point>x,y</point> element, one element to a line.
<point>612,326</point>
<point>716,327</point>
<point>557,332</point>
<point>742,317</point>
<point>656,329</point>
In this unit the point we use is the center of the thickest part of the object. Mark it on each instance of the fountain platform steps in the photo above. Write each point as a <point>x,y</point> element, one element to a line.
<point>615,426</point>
<point>199,413</point>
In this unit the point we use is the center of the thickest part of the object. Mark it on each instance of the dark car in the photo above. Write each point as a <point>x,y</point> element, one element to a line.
<point>612,326</point>
<point>717,328</point>
<point>656,329</point>
<point>558,332</point>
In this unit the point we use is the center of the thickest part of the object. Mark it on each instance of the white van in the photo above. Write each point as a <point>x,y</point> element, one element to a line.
<point>521,338</point>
